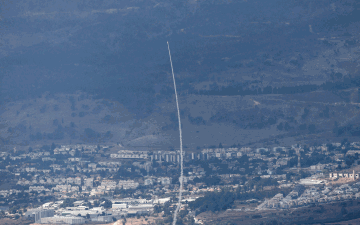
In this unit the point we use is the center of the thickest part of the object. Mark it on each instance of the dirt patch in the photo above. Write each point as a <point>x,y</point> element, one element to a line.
<point>7,221</point>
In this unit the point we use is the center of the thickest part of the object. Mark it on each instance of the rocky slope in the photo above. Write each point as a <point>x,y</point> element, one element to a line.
<point>248,72</point>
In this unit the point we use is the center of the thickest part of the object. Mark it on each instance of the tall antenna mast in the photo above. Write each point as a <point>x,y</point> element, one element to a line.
<point>181,147</point>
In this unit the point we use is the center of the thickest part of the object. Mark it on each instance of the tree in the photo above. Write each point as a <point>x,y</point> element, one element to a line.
<point>343,211</point>
<point>157,209</point>
<point>216,201</point>
<point>77,153</point>
<point>344,141</point>
<point>287,126</point>
<point>183,213</point>
<point>68,202</point>
<point>106,203</point>
<point>53,146</point>
<point>306,113</point>
<point>312,128</point>
<point>96,203</point>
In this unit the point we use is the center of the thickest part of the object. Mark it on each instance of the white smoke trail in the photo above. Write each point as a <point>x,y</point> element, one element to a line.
<point>181,148</point>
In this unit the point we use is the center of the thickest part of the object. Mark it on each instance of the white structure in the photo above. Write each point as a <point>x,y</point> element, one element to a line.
<point>128,154</point>
<point>164,180</point>
<point>353,152</point>
<point>317,167</point>
<point>140,209</point>
<point>38,214</point>
<point>128,184</point>
<point>63,219</point>
<point>119,206</point>
<point>83,211</point>
<point>108,185</point>
<point>37,189</point>
<point>89,182</point>
<point>148,181</point>
<point>260,150</point>
<point>161,200</point>
<point>311,181</point>
<point>352,175</point>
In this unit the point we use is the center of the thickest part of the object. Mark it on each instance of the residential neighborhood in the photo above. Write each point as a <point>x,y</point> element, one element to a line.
<point>76,184</point>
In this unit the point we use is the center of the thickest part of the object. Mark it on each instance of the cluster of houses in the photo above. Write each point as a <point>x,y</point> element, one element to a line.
<point>80,213</point>
<point>205,154</point>
<point>71,149</point>
<point>73,185</point>
<point>129,154</point>
<point>313,194</point>
<point>352,175</point>
<point>90,179</point>
<point>108,185</point>
<point>49,180</point>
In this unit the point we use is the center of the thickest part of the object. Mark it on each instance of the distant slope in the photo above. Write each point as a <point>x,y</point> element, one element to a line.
<point>248,72</point>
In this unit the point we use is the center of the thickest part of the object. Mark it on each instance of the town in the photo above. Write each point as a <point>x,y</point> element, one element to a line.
<point>82,183</point>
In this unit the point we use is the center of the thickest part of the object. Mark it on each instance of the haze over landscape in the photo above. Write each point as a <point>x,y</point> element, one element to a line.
<point>249,73</point>
<point>52,53</point>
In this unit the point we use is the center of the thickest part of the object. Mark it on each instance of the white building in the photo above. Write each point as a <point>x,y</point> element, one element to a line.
<point>63,219</point>
<point>119,205</point>
<point>38,214</point>
<point>164,180</point>
<point>128,154</point>
<point>148,181</point>
<point>89,182</point>
<point>37,189</point>
<point>128,184</point>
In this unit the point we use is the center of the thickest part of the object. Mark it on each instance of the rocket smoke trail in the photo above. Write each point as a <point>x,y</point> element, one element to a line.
<point>181,148</point>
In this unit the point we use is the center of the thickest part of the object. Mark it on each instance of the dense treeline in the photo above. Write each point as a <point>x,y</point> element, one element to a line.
<point>238,89</point>
<point>209,180</point>
<point>314,158</point>
<point>60,133</point>
<point>243,88</point>
<point>349,129</point>
<point>218,201</point>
